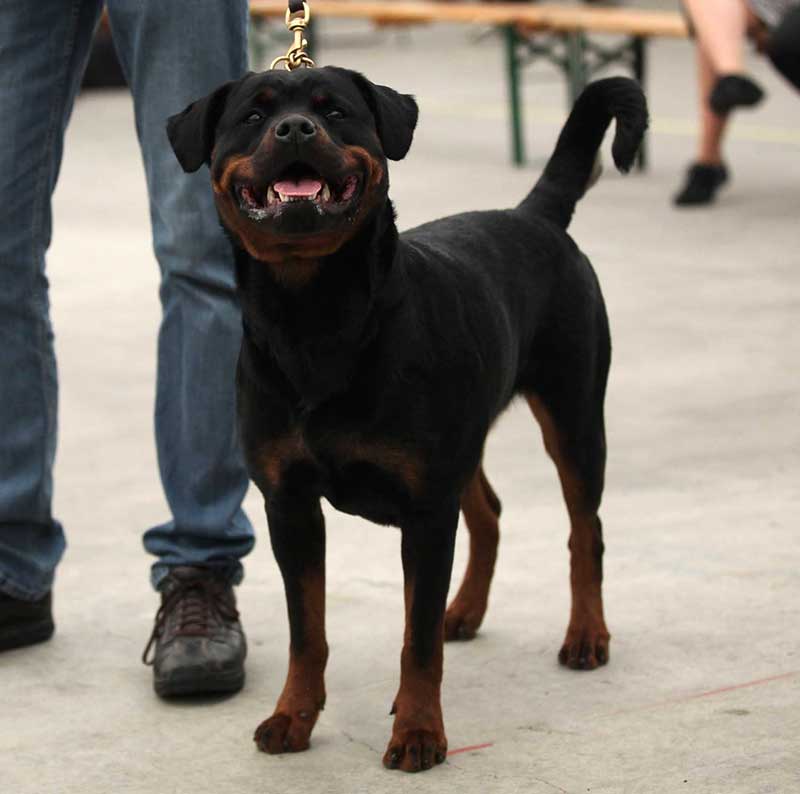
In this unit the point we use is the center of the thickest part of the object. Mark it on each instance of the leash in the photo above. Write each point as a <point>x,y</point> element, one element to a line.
<point>298,15</point>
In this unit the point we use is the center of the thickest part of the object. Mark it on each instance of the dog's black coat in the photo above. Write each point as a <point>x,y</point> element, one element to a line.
<point>374,382</point>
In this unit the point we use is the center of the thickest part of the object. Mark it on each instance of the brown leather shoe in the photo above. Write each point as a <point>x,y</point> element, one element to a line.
<point>199,642</point>
<point>25,622</point>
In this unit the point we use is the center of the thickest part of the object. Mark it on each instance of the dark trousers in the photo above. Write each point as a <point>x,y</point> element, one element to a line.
<point>783,48</point>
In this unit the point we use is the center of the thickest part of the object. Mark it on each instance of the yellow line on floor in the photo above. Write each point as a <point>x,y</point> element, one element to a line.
<point>661,125</point>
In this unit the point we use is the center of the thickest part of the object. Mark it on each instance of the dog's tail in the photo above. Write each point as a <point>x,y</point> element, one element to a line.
<point>574,166</point>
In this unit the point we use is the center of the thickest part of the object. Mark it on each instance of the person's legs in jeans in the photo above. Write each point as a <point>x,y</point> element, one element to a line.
<point>43,50</point>
<point>173,53</point>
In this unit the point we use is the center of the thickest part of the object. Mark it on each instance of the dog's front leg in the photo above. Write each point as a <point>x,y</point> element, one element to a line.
<point>297,531</point>
<point>418,739</point>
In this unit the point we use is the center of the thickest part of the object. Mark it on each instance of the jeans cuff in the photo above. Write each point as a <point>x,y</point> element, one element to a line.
<point>230,572</point>
<point>11,588</point>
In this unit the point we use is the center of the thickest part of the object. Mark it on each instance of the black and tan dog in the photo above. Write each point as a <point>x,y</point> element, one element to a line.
<point>373,364</point>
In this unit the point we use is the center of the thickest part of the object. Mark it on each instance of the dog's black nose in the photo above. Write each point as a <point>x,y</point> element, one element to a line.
<point>295,129</point>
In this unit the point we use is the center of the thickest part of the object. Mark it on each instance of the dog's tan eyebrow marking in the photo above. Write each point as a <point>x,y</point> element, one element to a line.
<point>319,98</point>
<point>267,95</point>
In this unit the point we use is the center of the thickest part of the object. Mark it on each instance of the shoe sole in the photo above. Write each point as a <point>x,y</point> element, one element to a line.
<point>193,684</point>
<point>29,634</point>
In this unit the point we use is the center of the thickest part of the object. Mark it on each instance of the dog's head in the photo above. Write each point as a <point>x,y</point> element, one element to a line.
<point>297,159</point>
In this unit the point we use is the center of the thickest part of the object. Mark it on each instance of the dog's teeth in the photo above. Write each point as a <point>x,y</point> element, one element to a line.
<point>326,193</point>
<point>283,197</point>
<point>271,199</point>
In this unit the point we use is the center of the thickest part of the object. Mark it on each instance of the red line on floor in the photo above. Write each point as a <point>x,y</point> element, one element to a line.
<point>467,749</point>
<point>710,693</point>
<point>733,687</point>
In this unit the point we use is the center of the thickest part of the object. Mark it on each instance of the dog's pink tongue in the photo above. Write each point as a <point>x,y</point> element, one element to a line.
<point>303,187</point>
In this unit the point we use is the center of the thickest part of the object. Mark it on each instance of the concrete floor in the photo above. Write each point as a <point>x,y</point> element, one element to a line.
<point>702,693</point>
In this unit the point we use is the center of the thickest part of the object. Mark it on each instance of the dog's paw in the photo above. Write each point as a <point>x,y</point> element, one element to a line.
<point>585,649</point>
<point>461,622</point>
<point>415,750</point>
<point>282,733</point>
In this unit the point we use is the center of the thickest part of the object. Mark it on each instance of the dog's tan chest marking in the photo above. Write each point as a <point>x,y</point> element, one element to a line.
<point>335,453</point>
<point>278,454</point>
<point>388,456</point>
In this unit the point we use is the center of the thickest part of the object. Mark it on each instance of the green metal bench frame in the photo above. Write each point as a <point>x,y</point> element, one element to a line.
<point>579,58</point>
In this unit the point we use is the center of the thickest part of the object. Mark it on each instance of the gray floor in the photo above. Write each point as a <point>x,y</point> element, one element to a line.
<point>703,564</point>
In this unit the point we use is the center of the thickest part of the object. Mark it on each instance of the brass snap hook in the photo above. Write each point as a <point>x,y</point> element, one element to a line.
<point>296,56</point>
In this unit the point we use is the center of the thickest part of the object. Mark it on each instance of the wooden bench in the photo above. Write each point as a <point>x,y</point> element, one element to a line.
<point>556,32</point>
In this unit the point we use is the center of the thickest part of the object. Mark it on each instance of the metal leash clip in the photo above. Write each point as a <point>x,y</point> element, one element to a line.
<point>296,56</point>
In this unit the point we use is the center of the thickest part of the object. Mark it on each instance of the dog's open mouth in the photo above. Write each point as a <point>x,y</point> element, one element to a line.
<point>298,186</point>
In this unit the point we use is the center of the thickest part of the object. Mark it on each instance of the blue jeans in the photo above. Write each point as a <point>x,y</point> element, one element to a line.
<point>172,51</point>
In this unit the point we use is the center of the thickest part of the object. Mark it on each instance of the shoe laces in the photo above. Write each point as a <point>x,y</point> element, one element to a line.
<point>197,601</point>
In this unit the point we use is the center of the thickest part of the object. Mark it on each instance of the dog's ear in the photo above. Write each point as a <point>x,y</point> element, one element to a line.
<point>191,132</point>
<point>395,115</point>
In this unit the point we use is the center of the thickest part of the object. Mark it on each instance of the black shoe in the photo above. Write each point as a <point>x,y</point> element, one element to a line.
<point>734,91</point>
<point>199,642</point>
<point>702,183</point>
<point>25,622</point>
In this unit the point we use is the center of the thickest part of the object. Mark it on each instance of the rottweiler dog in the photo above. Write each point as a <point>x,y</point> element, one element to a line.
<point>374,363</point>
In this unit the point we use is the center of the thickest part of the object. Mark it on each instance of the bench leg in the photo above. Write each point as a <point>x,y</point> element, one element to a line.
<point>576,66</point>
<point>311,31</point>
<point>639,49</point>
<point>257,49</point>
<point>266,43</point>
<point>515,106</point>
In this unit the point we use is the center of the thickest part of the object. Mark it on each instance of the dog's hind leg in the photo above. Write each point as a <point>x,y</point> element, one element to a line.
<point>481,509</point>
<point>574,437</point>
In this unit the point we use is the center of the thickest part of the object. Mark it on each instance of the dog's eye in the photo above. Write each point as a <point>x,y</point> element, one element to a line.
<point>334,115</point>
<point>254,118</point>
